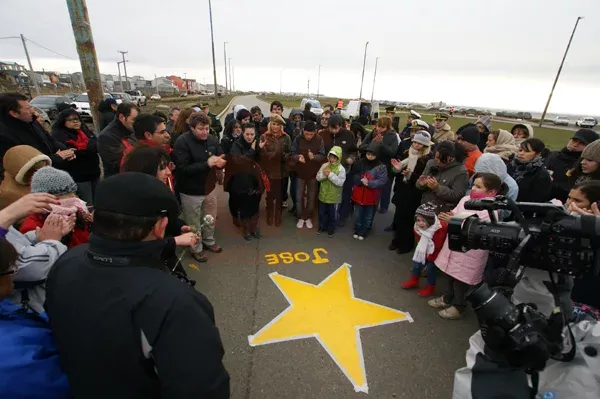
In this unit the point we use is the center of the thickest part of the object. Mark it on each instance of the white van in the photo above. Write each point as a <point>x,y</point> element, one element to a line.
<point>351,111</point>
<point>315,104</point>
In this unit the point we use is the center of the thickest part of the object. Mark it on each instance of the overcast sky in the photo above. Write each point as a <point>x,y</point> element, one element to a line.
<point>492,53</point>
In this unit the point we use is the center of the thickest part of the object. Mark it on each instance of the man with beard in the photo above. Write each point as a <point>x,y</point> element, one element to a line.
<point>559,162</point>
<point>443,131</point>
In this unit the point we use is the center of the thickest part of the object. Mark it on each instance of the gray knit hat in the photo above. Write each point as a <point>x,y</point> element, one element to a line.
<point>422,137</point>
<point>485,121</point>
<point>52,181</point>
<point>427,212</point>
<point>592,151</point>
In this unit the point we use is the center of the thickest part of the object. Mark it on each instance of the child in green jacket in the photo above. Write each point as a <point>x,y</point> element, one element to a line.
<point>331,176</point>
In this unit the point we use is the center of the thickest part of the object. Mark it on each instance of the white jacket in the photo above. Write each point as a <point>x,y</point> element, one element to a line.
<point>34,263</point>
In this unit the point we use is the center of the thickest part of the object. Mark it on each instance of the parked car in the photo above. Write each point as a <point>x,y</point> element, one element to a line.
<point>561,120</point>
<point>588,122</point>
<point>122,97</point>
<point>47,124</point>
<point>316,105</point>
<point>155,97</point>
<point>523,115</point>
<point>82,104</point>
<point>184,94</point>
<point>50,104</point>
<point>137,97</point>
<point>352,111</point>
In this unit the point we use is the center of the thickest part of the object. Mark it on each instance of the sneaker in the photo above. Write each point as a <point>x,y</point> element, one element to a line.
<point>199,256</point>
<point>309,224</point>
<point>256,234</point>
<point>360,238</point>
<point>450,314</point>
<point>355,236</point>
<point>284,204</point>
<point>300,224</point>
<point>392,247</point>
<point>438,303</point>
<point>320,231</point>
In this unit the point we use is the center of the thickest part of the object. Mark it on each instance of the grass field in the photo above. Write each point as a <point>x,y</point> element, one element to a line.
<point>555,139</point>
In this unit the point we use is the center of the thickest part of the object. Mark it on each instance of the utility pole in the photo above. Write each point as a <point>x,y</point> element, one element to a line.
<point>212,40</point>
<point>225,59</point>
<point>559,71</point>
<point>156,83</point>
<point>319,82</point>
<point>233,77</point>
<point>363,71</point>
<point>374,76</point>
<point>82,29</point>
<point>185,81</point>
<point>308,93</point>
<point>125,69</point>
<point>35,82</point>
<point>119,69</point>
<point>230,76</point>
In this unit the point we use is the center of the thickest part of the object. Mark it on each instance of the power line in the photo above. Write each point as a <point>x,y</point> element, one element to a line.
<point>46,48</point>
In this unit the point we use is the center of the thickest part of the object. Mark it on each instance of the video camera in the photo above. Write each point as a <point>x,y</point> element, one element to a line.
<point>544,237</point>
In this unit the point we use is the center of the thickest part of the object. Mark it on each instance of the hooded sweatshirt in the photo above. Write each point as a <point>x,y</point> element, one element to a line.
<point>345,140</point>
<point>523,125</point>
<point>560,162</point>
<point>505,146</point>
<point>376,174</point>
<point>18,161</point>
<point>297,127</point>
<point>492,163</point>
<point>330,190</point>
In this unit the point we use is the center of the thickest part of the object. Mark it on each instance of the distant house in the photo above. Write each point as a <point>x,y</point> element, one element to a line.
<point>178,82</point>
<point>211,87</point>
<point>14,73</point>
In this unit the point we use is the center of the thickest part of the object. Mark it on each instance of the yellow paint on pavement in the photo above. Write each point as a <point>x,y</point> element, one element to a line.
<point>330,313</point>
<point>193,266</point>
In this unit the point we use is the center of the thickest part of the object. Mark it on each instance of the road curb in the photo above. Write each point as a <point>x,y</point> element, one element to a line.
<point>227,107</point>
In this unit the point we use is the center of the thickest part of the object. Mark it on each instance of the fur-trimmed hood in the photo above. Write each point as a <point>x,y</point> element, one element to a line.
<point>19,159</point>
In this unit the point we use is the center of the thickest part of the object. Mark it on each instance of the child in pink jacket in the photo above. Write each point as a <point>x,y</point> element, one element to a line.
<point>464,269</point>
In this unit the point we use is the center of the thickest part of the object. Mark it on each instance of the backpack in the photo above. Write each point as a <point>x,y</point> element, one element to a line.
<point>29,363</point>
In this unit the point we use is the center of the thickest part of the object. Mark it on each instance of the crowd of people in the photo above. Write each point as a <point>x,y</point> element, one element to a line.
<point>90,222</point>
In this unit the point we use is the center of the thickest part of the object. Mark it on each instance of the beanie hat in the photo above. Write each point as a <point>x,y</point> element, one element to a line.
<point>422,137</point>
<point>310,126</point>
<point>52,181</point>
<point>470,135</point>
<point>485,121</point>
<point>586,136</point>
<point>427,212</point>
<point>592,151</point>
<point>111,101</point>
<point>243,113</point>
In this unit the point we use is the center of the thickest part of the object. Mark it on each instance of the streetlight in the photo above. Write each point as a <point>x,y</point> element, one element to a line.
<point>363,71</point>
<point>559,71</point>
<point>212,40</point>
<point>374,76</point>
<point>125,69</point>
<point>230,76</point>
<point>225,58</point>
<point>319,82</point>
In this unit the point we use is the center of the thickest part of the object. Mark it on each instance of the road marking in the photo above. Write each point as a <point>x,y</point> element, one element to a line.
<point>289,257</point>
<point>332,314</point>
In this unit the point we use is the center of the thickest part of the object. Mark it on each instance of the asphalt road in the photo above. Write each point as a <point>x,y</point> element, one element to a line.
<point>401,359</point>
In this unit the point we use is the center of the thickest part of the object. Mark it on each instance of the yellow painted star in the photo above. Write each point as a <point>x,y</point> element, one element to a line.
<point>330,313</point>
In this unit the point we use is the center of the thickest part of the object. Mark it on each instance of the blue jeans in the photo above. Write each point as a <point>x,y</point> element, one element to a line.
<point>327,217</point>
<point>346,204</point>
<point>386,195</point>
<point>429,267</point>
<point>364,215</point>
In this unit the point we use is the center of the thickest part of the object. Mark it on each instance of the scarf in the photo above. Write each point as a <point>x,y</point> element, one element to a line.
<point>81,142</point>
<point>425,246</point>
<point>520,169</point>
<point>410,162</point>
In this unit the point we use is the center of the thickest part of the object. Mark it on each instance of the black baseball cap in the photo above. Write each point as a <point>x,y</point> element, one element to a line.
<point>135,194</point>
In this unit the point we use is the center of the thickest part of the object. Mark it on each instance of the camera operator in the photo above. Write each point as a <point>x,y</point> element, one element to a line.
<point>124,326</point>
<point>531,343</point>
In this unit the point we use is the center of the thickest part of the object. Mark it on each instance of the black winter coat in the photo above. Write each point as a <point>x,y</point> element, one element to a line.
<point>194,176</point>
<point>86,165</point>
<point>535,186</point>
<point>407,197</point>
<point>15,132</point>
<point>559,162</point>
<point>111,147</point>
<point>387,148</point>
<point>152,325</point>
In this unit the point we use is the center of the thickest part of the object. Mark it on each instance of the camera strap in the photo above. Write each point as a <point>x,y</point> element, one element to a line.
<point>564,357</point>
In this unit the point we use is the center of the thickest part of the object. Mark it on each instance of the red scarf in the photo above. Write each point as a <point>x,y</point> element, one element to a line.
<point>82,141</point>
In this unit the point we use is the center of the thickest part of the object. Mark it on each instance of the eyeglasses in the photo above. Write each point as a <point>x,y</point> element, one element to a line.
<point>10,272</point>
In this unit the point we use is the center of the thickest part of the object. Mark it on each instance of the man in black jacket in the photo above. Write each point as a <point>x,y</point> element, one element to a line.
<point>199,160</point>
<point>17,127</point>
<point>257,119</point>
<point>124,326</point>
<point>560,162</point>
<point>215,122</point>
<point>118,135</point>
